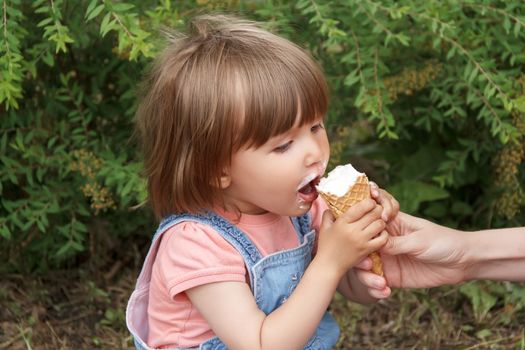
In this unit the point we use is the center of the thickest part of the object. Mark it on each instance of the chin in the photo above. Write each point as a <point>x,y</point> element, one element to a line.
<point>303,208</point>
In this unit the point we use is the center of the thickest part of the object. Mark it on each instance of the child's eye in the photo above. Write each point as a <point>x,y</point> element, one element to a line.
<point>283,148</point>
<point>317,127</point>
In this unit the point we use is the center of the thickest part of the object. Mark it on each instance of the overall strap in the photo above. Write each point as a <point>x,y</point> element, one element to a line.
<point>302,224</point>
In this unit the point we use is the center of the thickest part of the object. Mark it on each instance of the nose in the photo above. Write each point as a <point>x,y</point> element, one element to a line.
<point>316,148</point>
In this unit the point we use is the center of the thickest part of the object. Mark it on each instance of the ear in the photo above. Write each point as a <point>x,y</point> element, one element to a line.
<point>226,180</point>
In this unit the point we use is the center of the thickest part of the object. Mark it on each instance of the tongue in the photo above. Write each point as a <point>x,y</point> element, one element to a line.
<point>307,189</point>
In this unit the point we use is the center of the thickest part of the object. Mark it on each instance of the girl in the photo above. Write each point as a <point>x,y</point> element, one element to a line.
<point>244,258</point>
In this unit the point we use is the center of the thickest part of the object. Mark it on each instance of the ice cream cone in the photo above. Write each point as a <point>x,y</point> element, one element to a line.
<point>340,204</point>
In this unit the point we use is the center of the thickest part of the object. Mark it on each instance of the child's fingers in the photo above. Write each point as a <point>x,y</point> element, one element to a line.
<point>327,220</point>
<point>370,217</point>
<point>378,241</point>
<point>374,229</point>
<point>358,210</point>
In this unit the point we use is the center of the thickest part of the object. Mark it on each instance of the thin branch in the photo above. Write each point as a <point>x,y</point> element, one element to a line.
<point>376,80</point>
<point>503,12</point>
<point>317,9</point>
<point>477,64</point>
<point>381,25</point>
<point>487,104</point>
<point>492,341</point>
<point>464,51</point>
<point>55,17</point>
<point>358,57</point>
<point>128,33</point>
<point>7,50</point>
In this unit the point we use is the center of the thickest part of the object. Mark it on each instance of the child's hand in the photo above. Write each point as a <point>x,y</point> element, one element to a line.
<point>386,200</point>
<point>355,234</point>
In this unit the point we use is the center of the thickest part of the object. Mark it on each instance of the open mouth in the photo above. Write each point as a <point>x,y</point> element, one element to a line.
<point>310,186</point>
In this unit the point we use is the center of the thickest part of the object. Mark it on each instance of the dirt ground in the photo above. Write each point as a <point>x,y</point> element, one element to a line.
<point>79,310</point>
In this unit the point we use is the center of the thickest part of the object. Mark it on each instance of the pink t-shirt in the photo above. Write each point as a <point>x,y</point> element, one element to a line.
<point>191,254</point>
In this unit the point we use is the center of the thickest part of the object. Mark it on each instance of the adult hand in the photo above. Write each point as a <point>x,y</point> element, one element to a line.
<point>419,254</point>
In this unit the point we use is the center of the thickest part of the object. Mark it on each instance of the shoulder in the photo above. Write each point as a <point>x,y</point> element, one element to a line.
<point>191,253</point>
<point>194,238</point>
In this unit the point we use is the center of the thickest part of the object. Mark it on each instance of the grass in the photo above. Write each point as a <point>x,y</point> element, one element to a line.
<point>79,310</point>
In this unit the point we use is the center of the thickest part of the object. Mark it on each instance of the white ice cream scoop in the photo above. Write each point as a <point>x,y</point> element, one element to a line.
<point>339,180</point>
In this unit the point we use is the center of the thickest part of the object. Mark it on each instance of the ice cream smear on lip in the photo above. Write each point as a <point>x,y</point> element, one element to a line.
<point>339,180</point>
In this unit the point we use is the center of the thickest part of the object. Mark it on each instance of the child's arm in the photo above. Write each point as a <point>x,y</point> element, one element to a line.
<point>232,313</point>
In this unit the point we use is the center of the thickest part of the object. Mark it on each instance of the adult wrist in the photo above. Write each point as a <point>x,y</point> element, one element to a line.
<point>474,256</point>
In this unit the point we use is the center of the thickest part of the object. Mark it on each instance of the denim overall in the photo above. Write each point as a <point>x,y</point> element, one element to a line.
<point>273,278</point>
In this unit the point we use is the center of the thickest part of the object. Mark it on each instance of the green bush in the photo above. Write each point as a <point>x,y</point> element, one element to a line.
<point>428,97</point>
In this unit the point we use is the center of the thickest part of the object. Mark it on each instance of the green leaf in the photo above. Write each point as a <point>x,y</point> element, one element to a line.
<point>461,208</point>
<point>351,79</point>
<point>436,210</point>
<point>519,103</point>
<point>66,248</point>
<point>44,22</point>
<point>95,12</point>
<point>506,24</point>
<point>411,194</point>
<point>517,28</point>
<point>123,7</point>
<point>105,26</point>
<point>484,333</point>
<point>41,226</point>
<point>4,231</point>
<point>91,6</point>
<point>481,300</point>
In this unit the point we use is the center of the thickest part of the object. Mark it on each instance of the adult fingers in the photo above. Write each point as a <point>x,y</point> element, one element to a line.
<point>370,279</point>
<point>374,189</point>
<point>380,293</point>
<point>396,245</point>
<point>365,264</point>
<point>390,205</point>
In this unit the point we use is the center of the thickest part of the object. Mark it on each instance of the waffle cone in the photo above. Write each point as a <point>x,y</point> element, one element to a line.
<point>338,205</point>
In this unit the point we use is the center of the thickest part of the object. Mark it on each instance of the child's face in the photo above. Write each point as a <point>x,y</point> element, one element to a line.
<point>279,176</point>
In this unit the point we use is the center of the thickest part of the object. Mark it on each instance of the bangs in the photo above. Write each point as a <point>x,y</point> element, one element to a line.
<point>276,92</point>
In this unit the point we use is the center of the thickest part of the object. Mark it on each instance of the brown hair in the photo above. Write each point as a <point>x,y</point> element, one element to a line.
<point>227,85</point>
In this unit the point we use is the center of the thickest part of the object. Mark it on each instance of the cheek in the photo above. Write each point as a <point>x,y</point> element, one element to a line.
<point>325,145</point>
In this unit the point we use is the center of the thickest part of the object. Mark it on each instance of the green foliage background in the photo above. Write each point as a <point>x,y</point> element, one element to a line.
<point>428,98</point>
